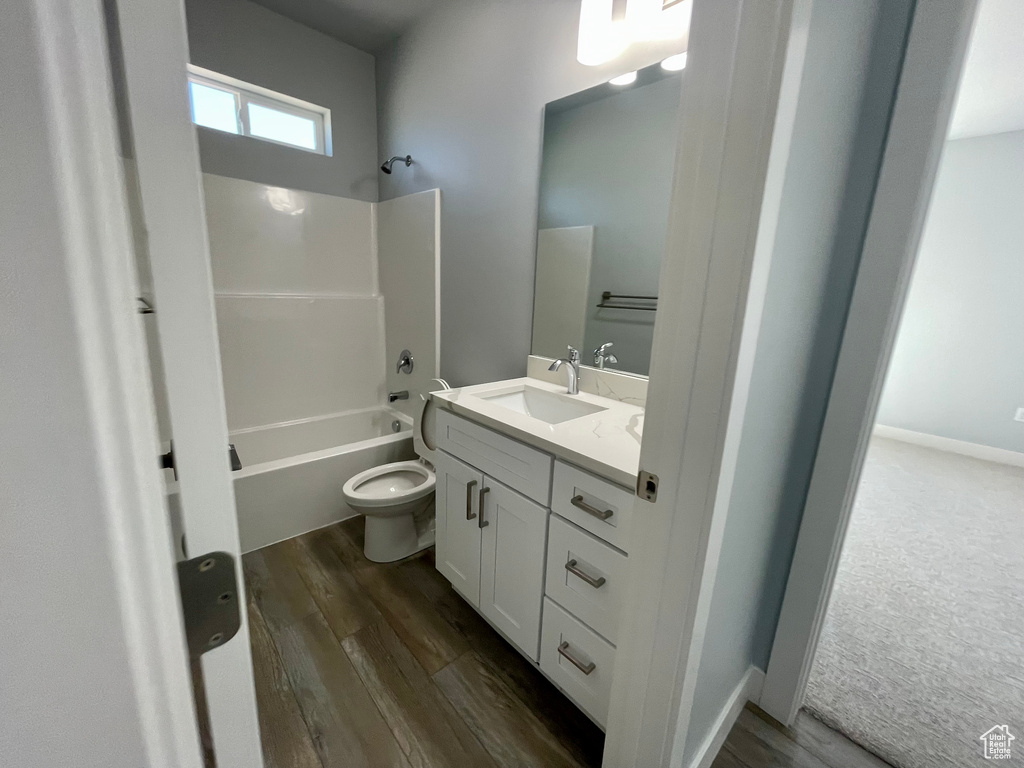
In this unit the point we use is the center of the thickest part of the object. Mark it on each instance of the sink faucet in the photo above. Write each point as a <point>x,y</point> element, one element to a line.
<point>573,363</point>
<point>602,355</point>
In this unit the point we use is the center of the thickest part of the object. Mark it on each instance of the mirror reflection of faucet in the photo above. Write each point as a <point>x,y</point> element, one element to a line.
<point>603,356</point>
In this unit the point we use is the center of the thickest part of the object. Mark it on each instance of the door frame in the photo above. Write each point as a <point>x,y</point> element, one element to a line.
<point>154,51</point>
<point>936,48</point>
<point>716,261</point>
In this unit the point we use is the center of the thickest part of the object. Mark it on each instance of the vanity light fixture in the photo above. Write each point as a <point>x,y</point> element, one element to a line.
<point>603,36</point>
<point>626,79</point>
<point>674,63</point>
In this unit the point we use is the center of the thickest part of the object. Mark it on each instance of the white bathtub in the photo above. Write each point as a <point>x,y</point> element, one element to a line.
<point>292,474</point>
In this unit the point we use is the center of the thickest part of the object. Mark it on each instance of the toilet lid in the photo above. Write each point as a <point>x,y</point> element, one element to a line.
<point>424,436</point>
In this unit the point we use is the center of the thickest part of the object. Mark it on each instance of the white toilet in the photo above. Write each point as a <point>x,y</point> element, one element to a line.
<point>392,495</point>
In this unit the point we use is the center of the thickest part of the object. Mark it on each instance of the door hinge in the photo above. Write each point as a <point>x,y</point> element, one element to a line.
<point>209,601</point>
<point>647,486</point>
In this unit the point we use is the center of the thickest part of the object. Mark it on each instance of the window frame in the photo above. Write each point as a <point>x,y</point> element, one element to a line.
<point>247,93</point>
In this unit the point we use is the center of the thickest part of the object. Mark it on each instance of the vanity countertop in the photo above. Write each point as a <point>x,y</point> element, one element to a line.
<point>606,443</point>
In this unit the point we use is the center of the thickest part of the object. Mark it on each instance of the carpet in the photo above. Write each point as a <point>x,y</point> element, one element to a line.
<point>922,649</point>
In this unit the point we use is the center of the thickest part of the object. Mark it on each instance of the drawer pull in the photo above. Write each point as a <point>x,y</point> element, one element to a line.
<point>573,568</point>
<point>600,514</point>
<point>586,669</point>
<point>483,523</point>
<point>469,499</point>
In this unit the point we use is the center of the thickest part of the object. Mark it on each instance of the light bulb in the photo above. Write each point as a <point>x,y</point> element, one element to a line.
<point>626,79</point>
<point>674,63</point>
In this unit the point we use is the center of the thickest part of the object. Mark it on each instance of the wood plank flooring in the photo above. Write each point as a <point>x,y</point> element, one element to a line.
<point>385,666</point>
<point>758,741</point>
<point>359,664</point>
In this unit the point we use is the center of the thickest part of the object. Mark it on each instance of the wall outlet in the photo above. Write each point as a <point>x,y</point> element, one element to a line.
<point>1019,416</point>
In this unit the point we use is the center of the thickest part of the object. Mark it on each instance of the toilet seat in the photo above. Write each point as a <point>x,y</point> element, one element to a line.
<point>390,485</point>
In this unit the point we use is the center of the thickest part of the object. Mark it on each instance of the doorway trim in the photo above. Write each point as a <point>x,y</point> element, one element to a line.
<point>699,380</point>
<point>936,48</point>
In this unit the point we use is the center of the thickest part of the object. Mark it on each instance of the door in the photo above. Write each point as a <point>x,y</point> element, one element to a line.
<point>149,51</point>
<point>458,494</point>
<point>514,530</point>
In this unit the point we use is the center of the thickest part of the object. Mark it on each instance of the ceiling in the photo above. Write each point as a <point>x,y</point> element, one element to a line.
<point>991,97</point>
<point>367,25</point>
<point>990,100</point>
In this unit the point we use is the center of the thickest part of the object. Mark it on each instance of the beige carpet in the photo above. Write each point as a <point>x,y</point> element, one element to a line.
<point>923,645</point>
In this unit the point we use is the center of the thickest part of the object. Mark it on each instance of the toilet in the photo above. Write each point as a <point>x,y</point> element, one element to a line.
<point>391,496</point>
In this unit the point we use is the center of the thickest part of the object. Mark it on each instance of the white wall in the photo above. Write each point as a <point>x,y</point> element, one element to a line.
<point>246,41</point>
<point>299,312</point>
<point>850,71</point>
<point>67,696</point>
<point>958,367</point>
<point>609,164</point>
<point>408,257</point>
<point>463,92</point>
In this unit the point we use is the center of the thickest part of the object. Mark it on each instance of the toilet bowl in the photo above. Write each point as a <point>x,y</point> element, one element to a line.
<point>393,497</point>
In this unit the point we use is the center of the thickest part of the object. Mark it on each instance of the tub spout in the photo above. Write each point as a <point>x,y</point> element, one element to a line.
<point>403,395</point>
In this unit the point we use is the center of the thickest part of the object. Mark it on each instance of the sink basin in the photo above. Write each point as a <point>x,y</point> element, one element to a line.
<point>542,405</point>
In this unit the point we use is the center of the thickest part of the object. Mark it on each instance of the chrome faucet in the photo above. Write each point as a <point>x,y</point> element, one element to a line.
<point>573,363</point>
<point>602,355</point>
<point>403,395</point>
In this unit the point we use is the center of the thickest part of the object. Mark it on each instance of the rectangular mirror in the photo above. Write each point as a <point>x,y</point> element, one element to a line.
<point>605,184</point>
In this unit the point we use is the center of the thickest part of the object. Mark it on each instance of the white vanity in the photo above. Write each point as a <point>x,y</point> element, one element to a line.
<point>533,512</point>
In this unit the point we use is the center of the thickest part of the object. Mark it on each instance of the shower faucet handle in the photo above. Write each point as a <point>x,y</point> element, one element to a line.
<point>404,362</point>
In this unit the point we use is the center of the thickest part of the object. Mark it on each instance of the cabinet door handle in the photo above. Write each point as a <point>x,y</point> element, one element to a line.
<point>469,499</point>
<point>575,570</point>
<point>586,669</point>
<point>483,523</point>
<point>600,514</point>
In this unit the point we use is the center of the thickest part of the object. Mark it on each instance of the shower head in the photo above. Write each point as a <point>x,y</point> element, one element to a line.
<point>386,167</point>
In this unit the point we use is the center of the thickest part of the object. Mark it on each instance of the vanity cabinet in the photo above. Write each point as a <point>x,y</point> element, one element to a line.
<point>552,584</point>
<point>490,546</point>
<point>458,532</point>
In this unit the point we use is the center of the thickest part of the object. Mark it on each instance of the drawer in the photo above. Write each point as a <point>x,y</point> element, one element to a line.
<point>518,466</point>
<point>586,577</point>
<point>594,504</point>
<point>565,640</point>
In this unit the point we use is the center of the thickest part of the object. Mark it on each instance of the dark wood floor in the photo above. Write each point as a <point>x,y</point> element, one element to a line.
<point>385,666</point>
<point>758,741</point>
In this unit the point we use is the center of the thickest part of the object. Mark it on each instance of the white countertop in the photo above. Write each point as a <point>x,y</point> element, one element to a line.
<point>605,443</point>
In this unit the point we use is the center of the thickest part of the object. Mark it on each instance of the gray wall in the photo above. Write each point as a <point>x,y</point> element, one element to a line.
<point>463,92</point>
<point>958,367</point>
<point>248,42</point>
<point>851,67</point>
<point>609,164</point>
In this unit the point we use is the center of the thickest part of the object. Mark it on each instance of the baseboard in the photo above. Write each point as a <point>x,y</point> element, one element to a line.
<point>974,450</point>
<point>748,689</point>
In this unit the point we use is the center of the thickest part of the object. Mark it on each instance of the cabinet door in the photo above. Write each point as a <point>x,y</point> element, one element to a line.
<point>512,564</point>
<point>458,525</point>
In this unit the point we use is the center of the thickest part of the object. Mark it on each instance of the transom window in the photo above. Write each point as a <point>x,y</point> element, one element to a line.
<point>233,106</point>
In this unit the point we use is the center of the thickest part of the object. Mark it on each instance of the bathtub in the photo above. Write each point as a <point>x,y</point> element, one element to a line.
<point>292,474</point>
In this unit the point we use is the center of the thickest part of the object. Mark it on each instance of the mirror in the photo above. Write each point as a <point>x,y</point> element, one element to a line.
<point>605,184</point>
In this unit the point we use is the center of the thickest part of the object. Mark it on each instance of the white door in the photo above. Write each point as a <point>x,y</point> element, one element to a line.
<point>163,181</point>
<point>458,525</point>
<point>512,564</point>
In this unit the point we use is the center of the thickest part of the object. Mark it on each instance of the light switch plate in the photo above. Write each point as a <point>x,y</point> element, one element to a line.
<point>1019,416</point>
